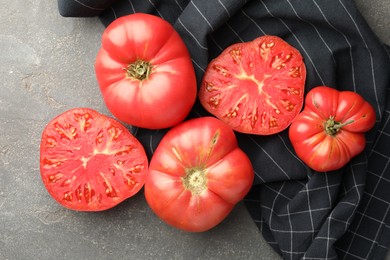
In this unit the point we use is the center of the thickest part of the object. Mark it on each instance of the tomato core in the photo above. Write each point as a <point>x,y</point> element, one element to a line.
<point>332,127</point>
<point>139,69</point>
<point>195,180</point>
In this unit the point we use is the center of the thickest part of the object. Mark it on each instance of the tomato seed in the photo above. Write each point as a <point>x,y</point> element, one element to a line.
<point>222,70</point>
<point>273,122</point>
<point>137,169</point>
<point>209,86</point>
<point>114,132</point>
<point>99,137</point>
<point>236,55</point>
<point>66,183</point>
<point>214,101</point>
<point>51,142</point>
<point>287,104</point>
<point>68,196</point>
<point>84,120</point>
<point>79,193</point>
<point>130,180</point>
<point>294,72</point>
<point>56,177</point>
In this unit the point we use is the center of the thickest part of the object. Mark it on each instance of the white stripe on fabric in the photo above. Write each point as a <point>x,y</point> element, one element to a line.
<point>303,212</point>
<point>319,188</point>
<point>192,35</point>
<point>269,156</point>
<point>224,7</point>
<point>387,50</point>
<point>293,154</point>
<point>155,8</point>
<point>113,12</point>
<point>215,42</point>
<point>378,231</point>
<point>235,33</point>
<point>272,189</point>
<point>151,144</point>
<point>381,131</point>
<point>315,28</point>
<point>327,239</point>
<point>197,65</point>
<point>89,7</point>
<point>258,175</point>
<point>291,228</point>
<point>201,14</point>
<point>346,39</point>
<point>181,8</point>
<point>132,6</point>
<point>367,206</point>
<point>253,21</point>
<point>310,213</point>
<point>371,57</point>
<point>352,255</point>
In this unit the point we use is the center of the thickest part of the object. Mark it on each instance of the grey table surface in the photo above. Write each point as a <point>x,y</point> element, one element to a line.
<point>46,67</point>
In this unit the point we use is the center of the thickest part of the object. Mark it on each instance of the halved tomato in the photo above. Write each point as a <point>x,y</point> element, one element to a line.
<point>89,161</point>
<point>255,87</point>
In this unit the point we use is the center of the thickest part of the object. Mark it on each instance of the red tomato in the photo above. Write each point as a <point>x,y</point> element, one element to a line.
<point>330,130</point>
<point>197,174</point>
<point>90,162</point>
<point>255,87</point>
<point>145,72</point>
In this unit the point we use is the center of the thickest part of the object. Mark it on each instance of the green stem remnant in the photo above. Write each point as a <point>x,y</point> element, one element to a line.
<point>139,70</point>
<point>332,127</point>
<point>195,180</point>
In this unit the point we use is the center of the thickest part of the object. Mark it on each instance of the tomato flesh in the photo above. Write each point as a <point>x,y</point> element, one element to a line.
<point>255,87</point>
<point>90,162</point>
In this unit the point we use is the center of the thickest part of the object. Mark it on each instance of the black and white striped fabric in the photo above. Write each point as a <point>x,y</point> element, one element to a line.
<point>301,213</point>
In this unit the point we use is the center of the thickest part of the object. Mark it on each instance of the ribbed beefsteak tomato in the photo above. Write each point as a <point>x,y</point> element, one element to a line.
<point>90,162</point>
<point>197,174</point>
<point>255,87</point>
<point>145,72</point>
<point>330,130</point>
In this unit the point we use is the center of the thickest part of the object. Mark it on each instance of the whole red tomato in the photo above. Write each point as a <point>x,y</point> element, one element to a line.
<point>255,87</point>
<point>330,130</point>
<point>90,162</point>
<point>145,72</point>
<point>197,174</point>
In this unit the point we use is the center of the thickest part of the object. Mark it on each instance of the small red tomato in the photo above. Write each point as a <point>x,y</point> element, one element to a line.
<point>197,174</point>
<point>330,130</point>
<point>90,162</point>
<point>255,87</point>
<point>145,72</point>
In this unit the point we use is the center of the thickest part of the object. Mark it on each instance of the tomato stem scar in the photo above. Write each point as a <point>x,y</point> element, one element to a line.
<point>139,69</point>
<point>332,127</point>
<point>195,180</point>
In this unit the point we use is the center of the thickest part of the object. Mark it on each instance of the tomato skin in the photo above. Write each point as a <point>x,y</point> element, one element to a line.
<point>89,161</point>
<point>145,72</point>
<point>326,150</point>
<point>197,174</point>
<point>255,87</point>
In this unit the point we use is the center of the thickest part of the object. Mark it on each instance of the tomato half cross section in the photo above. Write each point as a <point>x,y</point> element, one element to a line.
<point>89,161</point>
<point>330,130</point>
<point>197,174</point>
<point>255,87</point>
<point>145,72</point>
